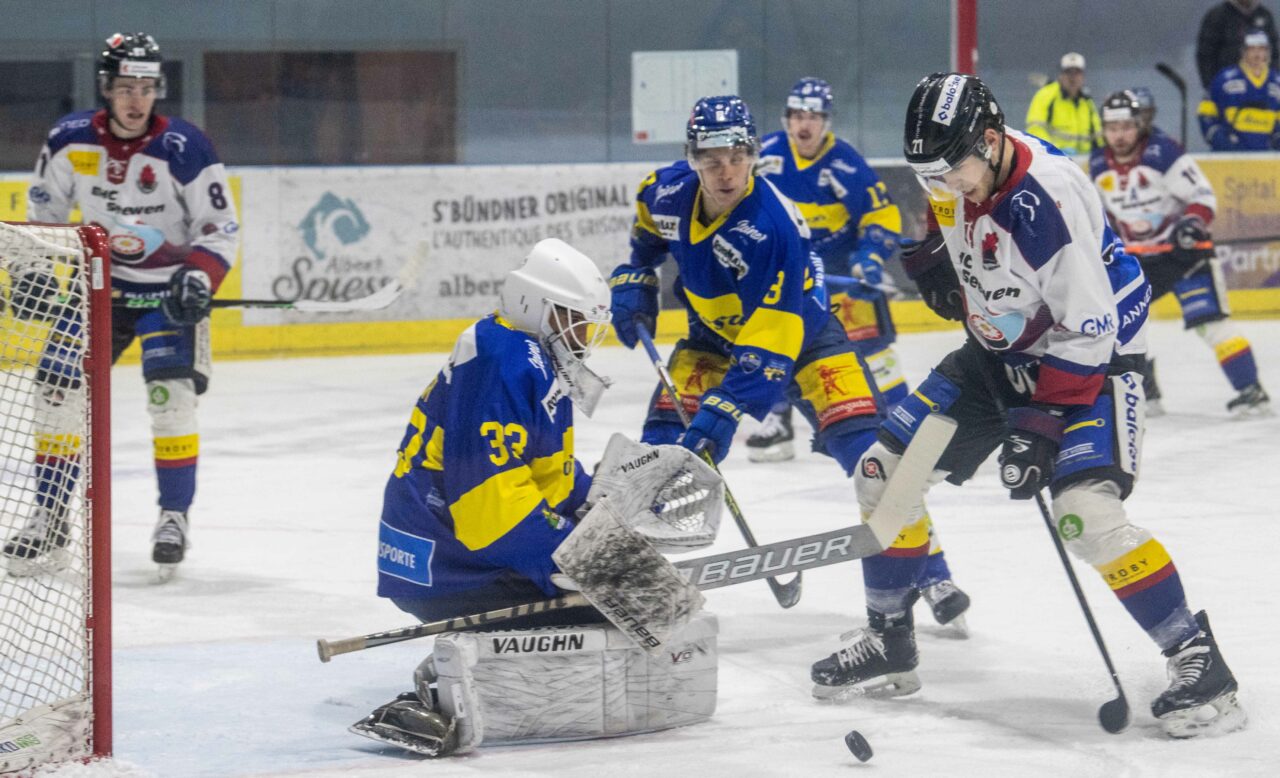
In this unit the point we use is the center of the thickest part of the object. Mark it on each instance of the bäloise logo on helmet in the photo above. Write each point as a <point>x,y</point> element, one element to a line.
<point>944,112</point>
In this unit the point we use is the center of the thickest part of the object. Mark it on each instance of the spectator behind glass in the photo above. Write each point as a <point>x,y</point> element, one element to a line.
<point>1240,112</point>
<point>1063,113</point>
<point>1222,32</point>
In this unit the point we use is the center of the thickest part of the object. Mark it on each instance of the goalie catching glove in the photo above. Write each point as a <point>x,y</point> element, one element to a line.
<point>666,493</point>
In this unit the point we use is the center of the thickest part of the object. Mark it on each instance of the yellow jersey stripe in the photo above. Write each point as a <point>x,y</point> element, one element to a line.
<point>493,508</point>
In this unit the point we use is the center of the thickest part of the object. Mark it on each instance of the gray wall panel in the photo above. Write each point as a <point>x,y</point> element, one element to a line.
<point>550,80</point>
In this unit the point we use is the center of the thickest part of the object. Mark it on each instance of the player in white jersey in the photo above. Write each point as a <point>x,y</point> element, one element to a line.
<point>156,185</point>
<point>1161,203</point>
<point>1020,251</point>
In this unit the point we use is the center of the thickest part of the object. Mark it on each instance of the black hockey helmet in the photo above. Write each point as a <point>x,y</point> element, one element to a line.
<point>130,55</point>
<point>946,118</point>
<point>1122,106</point>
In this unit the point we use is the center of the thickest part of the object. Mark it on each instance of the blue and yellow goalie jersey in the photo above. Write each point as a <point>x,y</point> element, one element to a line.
<point>844,202</point>
<point>745,276</point>
<point>485,475</point>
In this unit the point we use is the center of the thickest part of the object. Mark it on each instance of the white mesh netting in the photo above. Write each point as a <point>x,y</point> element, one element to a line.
<point>45,655</point>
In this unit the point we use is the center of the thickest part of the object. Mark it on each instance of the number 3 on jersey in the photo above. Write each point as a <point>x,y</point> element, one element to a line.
<point>506,441</point>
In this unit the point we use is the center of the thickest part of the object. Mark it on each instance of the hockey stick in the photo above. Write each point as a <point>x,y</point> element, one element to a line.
<point>1114,714</point>
<point>1168,72</point>
<point>373,302</point>
<point>735,567</point>
<point>709,572</point>
<point>787,594</point>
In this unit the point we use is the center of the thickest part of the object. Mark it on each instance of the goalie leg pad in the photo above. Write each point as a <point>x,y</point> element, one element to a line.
<point>573,683</point>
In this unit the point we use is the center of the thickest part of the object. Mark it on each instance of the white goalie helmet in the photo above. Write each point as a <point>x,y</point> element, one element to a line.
<point>559,295</point>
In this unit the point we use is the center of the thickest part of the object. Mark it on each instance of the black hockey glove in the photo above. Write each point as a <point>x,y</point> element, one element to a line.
<point>190,297</point>
<point>34,295</point>
<point>929,265</point>
<point>1189,231</point>
<point>1030,447</point>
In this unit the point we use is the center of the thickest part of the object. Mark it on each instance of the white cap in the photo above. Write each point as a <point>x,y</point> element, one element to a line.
<point>1257,38</point>
<point>1072,60</point>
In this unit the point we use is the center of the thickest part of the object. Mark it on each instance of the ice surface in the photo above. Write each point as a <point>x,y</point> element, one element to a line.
<point>216,672</point>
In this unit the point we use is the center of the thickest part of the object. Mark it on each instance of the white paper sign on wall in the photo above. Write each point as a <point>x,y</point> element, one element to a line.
<point>666,84</point>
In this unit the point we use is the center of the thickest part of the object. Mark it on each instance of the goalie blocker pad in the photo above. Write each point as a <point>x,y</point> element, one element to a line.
<point>572,683</point>
<point>666,493</point>
<point>626,579</point>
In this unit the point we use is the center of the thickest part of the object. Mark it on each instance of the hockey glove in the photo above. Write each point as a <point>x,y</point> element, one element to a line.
<point>868,266</point>
<point>634,302</point>
<point>1190,231</point>
<point>929,265</point>
<point>34,295</point>
<point>712,427</point>
<point>190,297</point>
<point>1030,447</point>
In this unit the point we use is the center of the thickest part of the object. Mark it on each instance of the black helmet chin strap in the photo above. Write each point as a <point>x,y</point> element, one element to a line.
<point>999,163</point>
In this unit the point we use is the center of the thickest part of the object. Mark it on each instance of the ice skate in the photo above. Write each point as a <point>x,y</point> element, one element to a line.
<point>410,724</point>
<point>1252,401</point>
<point>773,441</point>
<point>169,542</point>
<point>948,603</point>
<point>39,547</point>
<point>880,662</point>
<point>1201,698</point>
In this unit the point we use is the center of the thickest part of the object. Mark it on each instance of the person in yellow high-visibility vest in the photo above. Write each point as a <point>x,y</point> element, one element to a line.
<point>1063,113</point>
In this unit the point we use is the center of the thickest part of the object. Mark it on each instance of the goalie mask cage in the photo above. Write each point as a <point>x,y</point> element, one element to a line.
<point>55,495</point>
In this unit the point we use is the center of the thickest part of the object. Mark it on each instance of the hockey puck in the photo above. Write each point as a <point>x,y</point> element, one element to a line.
<point>858,745</point>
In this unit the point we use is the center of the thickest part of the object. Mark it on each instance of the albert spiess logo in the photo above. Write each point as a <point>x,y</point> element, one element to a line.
<point>331,224</point>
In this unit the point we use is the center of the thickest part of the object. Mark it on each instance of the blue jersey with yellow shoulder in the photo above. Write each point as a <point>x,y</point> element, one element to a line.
<point>485,473</point>
<point>745,276</point>
<point>1242,111</point>
<point>844,202</point>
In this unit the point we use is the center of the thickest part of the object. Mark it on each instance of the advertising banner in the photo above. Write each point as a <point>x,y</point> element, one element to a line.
<point>451,233</point>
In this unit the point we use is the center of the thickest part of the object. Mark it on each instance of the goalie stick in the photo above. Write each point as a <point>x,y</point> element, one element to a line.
<point>733,567</point>
<point>787,594</point>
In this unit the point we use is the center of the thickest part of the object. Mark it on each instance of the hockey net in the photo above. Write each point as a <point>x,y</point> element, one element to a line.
<point>55,499</point>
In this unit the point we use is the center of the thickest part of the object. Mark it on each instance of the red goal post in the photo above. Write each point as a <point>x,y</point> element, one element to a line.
<point>55,494</point>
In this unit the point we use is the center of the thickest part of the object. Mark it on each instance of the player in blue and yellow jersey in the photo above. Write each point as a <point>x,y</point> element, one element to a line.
<point>486,482</point>
<point>756,327</point>
<point>854,227</point>
<point>1240,112</point>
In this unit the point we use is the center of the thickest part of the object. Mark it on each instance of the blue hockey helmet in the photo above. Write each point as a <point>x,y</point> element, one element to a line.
<point>812,95</point>
<point>1146,105</point>
<point>720,122</point>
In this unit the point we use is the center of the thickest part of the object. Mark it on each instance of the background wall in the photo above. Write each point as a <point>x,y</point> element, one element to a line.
<point>549,80</point>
